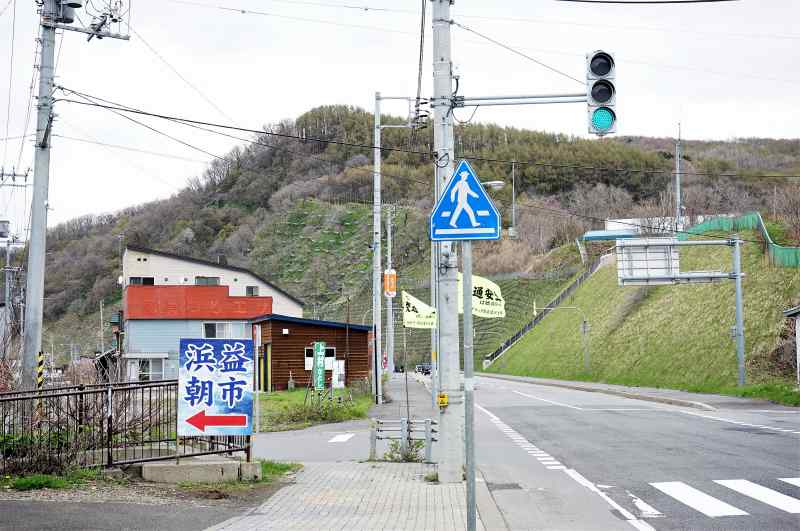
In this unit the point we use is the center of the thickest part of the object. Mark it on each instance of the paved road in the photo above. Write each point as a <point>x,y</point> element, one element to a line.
<point>650,465</point>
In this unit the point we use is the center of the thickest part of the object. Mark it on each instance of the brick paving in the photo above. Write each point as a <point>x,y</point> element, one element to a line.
<point>359,496</point>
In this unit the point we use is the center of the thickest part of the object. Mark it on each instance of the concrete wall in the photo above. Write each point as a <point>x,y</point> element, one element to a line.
<point>174,271</point>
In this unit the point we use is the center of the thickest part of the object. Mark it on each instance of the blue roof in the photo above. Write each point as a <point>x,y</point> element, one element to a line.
<point>311,322</point>
<point>605,235</point>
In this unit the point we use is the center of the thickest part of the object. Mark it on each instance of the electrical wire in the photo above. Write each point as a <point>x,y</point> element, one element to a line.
<point>133,149</point>
<point>517,52</point>
<point>10,74</point>
<point>181,76</point>
<point>293,18</point>
<point>117,107</point>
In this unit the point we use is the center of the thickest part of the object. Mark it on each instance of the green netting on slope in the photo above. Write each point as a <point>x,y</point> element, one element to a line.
<point>779,255</point>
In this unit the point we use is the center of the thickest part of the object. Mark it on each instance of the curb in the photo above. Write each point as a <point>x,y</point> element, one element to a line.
<point>488,512</point>
<point>624,394</point>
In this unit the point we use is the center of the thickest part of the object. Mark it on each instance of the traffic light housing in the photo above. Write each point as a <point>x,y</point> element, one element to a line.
<point>601,92</point>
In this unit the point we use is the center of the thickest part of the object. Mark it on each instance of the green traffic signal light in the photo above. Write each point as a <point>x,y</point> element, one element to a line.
<point>603,119</point>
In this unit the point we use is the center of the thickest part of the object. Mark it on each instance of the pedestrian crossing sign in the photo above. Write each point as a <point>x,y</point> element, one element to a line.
<point>464,210</point>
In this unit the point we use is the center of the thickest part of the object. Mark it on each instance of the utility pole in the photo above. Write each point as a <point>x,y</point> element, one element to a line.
<point>451,417</point>
<point>102,340</point>
<point>34,286</point>
<point>389,309</point>
<point>678,155</point>
<point>53,14</point>
<point>376,252</point>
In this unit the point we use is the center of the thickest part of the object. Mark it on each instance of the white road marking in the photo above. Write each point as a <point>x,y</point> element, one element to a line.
<point>739,423</point>
<point>549,401</point>
<point>763,494</point>
<point>791,481</point>
<point>698,500</point>
<point>556,467</point>
<point>645,510</point>
<point>342,437</point>
<point>641,525</point>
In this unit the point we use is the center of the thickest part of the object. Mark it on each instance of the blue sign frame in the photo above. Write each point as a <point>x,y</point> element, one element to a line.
<point>464,211</point>
<point>215,387</point>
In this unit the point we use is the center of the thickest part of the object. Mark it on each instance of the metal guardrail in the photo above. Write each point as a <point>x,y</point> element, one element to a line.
<point>567,292</point>
<point>403,430</point>
<point>98,425</point>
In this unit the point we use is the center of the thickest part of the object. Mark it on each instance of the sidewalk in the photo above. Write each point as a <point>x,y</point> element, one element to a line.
<point>706,402</point>
<point>359,496</point>
<point>420,404</point>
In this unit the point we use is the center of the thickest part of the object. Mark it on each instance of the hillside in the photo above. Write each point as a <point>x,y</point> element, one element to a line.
<point>294,210</point>
<point>668,336</point>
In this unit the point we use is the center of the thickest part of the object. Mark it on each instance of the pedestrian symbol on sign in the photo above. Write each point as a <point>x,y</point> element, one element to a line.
<point>464,211</point>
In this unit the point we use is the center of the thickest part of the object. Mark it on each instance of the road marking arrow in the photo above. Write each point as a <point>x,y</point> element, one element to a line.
<point>200,420</point>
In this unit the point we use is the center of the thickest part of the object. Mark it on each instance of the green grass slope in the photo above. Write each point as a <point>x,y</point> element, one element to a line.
<point>669,336</point>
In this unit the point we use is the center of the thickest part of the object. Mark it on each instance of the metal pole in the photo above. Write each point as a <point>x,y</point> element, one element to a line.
<point>585,333</point>
<point>797,347</point>
<point>34,288</point>
<point>451,418</point>
<point>737,270</point>
<point>102,339</point>
<point>389,308</point>
<point>8,313</point>
<point>514,196</point>
<point>469,386</point>
<point>678,156</point>
<point>376,251</point>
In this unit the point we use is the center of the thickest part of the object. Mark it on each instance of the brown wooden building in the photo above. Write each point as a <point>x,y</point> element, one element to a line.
<point>285,346</point>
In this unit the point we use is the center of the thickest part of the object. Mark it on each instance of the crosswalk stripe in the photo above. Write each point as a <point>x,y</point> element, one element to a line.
<point>791,481</point>
<point>697,500</point>
<point>763,494</point>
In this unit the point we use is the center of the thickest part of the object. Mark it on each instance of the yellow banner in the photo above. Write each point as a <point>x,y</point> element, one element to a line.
<point>487,300</point>
<point>417,314</point>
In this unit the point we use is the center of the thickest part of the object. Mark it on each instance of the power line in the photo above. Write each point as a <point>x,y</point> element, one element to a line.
<point>119,107</point>
<point>10,73</point>
<point>128,148</point>
<point>182,78</point>
<point>517,52</point>
<point>243,11</point>
<point>5,7</point>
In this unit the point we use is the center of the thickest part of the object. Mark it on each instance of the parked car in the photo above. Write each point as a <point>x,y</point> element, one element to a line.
<point>423,368</point>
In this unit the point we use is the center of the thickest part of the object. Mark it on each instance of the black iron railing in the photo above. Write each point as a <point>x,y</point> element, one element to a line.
<point>97,425</point>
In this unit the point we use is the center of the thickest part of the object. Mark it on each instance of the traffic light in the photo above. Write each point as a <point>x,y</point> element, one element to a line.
<point>601,92</point>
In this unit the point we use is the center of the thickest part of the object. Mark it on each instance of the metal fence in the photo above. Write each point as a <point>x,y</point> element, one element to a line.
<point>405,431</point>
<point>97,425</point>
<point>567,292</point>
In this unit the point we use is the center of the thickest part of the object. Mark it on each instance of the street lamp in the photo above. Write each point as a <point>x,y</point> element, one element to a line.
<point>493,185</point>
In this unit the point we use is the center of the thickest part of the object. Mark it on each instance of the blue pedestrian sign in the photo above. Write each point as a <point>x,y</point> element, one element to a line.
<point>215,387</point>
<point>464,211</point>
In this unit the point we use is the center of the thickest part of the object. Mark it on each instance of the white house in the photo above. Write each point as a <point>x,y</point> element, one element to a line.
<point>143,266</point>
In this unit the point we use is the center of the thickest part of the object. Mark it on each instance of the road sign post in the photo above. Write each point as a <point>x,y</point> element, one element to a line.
<point>215,387</point>
<point>464,212</point>
<point>319,366</point>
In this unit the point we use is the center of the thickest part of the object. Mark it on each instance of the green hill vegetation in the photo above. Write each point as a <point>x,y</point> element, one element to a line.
<point>297,212</point>
<point>671,336</point>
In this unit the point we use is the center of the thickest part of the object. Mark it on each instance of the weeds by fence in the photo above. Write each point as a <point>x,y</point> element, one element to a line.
<point>97,425</point>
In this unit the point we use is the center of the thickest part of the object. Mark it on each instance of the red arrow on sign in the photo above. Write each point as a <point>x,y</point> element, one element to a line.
<point>200,420</point>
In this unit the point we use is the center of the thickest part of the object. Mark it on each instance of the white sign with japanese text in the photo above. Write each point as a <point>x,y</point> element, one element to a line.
<point>215,387</point>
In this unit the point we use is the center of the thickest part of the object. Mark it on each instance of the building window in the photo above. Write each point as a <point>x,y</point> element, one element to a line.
<point>225,330</point>
<point>252,291</point>
<point>206,281</point>
<point>151,370</point>
<point>142,281</point>
<point>330,355</point>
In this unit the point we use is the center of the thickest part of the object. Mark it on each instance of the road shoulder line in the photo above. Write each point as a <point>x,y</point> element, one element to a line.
<point>623,394</point>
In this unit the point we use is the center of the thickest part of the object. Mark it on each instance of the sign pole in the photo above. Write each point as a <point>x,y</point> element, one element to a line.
<point>469,386</point>
<point>737,271</point>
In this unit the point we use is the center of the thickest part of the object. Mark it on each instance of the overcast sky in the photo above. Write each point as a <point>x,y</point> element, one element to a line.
<point>724,70</point>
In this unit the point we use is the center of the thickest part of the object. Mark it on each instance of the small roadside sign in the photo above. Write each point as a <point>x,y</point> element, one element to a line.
<point>215,387</point>
<point>390,283</point>
<point>464,210</point>
<point>319,366</point>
